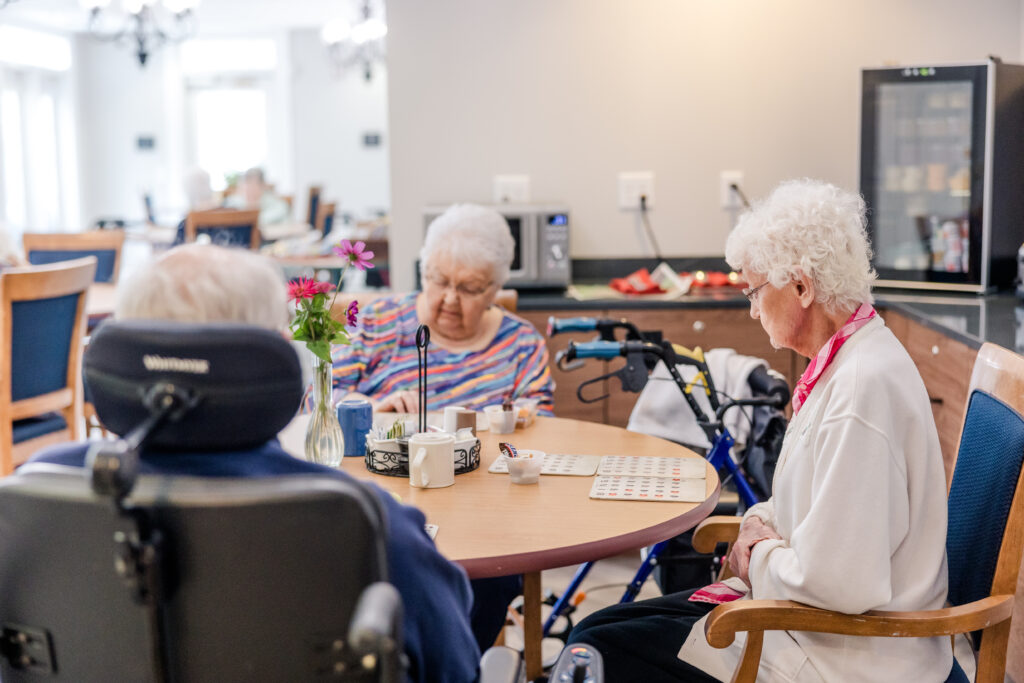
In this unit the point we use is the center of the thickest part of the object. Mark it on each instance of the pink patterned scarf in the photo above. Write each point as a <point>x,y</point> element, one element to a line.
<point>821,361</point>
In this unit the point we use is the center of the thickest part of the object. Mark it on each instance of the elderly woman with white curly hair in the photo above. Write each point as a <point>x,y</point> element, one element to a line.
<point>479,353</point>
<point>857,519</point>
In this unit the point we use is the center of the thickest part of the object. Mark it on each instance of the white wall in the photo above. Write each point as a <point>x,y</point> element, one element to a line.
<point>331,112</point>
<point>116,103</point>
<point>572,92</point>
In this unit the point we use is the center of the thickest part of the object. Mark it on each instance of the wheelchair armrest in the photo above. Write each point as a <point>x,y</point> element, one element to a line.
<point>714,530</point>
<point>376,629</point>
<point>502,664</point>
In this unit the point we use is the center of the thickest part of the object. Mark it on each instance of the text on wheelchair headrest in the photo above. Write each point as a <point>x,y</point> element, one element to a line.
<point>195,366</point>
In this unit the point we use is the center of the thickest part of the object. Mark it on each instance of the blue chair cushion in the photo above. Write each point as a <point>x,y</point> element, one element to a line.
<point>40,425</point>
<point>40,344</point>
<point>105,259</point>
<point>984,481</point>
<point>957,675</point>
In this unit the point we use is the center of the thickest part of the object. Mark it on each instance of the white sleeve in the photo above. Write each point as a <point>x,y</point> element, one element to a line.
<point>765,511</point>
<point>838,556</point>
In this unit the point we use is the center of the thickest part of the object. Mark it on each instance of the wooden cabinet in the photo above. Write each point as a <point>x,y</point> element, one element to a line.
<point>945,366</point>
<point>707,328</point>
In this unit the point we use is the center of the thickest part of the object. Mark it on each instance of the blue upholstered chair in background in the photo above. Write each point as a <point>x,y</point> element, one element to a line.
<point>105,245</point>
<point>325,217</point>
<point>42,324</point>
<point>984,542</point>
<point>226,227</point>
<point>313,205</point>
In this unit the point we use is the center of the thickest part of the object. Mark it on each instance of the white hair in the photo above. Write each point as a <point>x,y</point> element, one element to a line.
<point>471,235</point>
<point>197,188</point>
<point>207,283</point>
<point>812,228</point>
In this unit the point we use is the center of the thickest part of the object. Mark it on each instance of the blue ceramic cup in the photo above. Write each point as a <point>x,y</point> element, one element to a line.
<point>356,418</point>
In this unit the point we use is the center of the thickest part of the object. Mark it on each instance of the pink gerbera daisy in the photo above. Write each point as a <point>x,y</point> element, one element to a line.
<point>355,253</point>
<point>303,288</point>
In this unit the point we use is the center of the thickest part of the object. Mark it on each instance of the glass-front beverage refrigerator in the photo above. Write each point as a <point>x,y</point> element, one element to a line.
<point>942,172</point>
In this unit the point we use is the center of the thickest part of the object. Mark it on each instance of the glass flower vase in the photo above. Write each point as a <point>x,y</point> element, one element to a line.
<point>325,444</point>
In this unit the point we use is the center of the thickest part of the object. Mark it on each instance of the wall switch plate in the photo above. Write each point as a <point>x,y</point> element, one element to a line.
<point>511,189</point>
<point>632,185</point>
<point>727,197</point>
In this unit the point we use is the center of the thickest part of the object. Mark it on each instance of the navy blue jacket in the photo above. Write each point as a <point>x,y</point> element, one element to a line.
<point>435,593</point>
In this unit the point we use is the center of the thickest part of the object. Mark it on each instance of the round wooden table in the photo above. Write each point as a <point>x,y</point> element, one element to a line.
<point>492,527</point>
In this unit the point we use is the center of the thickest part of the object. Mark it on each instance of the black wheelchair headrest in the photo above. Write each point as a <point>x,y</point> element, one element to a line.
<point>246,381</point>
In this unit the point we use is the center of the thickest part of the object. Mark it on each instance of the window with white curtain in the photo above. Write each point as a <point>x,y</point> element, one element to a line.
<point>36,149</point>
<point>227,86</point>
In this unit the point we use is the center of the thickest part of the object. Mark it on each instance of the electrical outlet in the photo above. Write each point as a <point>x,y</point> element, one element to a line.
<point>727,197</point>
<point>511,189</point>
<point>633,184</point>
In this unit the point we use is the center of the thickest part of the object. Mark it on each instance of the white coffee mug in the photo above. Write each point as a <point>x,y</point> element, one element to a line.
<point>431,460</point>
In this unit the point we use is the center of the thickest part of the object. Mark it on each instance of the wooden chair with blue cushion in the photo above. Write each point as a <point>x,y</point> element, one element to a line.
<point>325,217</point>
<point>42,324</point>
<point>105,245</point>
<point>226,227</point>
<point>313,204</point>
<point>984,543</point>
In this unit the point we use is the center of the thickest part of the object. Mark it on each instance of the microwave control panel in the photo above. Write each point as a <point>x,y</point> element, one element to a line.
<point>553,248</point>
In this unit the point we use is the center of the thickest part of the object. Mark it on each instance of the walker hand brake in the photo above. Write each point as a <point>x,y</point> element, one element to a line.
<point>632,375</point>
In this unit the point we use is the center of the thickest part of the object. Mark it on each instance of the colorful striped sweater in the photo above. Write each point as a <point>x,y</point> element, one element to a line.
<point>382,360</point>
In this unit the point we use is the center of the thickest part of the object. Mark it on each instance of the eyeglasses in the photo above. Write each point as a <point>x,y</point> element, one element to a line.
<point>751,294</point>
<point>463,291</point>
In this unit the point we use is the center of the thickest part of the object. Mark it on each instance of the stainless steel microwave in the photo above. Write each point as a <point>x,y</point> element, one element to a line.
<point>541,234</point>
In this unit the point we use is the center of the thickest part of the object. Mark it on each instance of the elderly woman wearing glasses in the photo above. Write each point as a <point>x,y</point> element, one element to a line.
<point>479,353</point>
<point>857,518</point>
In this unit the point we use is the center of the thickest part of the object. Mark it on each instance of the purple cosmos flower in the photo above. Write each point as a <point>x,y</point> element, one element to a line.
<point>352,312</point>
<point>355,253</point>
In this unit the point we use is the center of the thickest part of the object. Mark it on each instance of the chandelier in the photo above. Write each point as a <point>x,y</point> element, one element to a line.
<point>142,24</point>
<point>360,44</point>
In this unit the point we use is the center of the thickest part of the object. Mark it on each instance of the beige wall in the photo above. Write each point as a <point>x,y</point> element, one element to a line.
<point>572,92</point>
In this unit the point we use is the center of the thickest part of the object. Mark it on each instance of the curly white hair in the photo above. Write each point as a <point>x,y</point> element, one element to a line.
<point>810,227</point>
<point>472,235</point>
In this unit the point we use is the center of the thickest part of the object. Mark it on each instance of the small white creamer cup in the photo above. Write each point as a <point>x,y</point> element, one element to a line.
<point>525,467</point>
<point>500,421</point>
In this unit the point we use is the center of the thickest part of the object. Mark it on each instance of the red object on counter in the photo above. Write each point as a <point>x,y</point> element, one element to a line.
<point>715,278</point>
<point>638,282</point>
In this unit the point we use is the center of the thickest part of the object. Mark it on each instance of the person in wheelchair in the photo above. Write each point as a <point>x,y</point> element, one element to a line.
<point>206,283</point>
<point>857,519</point>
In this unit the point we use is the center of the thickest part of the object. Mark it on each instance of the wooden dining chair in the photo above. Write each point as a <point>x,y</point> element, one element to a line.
<point>325,217</point>
<point>984,543</point>
<point>226,227</point>
<point>42,324</point>
<point>313,204</point>
<point>53,247</point>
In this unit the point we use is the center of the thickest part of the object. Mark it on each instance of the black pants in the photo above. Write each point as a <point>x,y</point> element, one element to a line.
<point>491,598</point>
<point>640,641</point>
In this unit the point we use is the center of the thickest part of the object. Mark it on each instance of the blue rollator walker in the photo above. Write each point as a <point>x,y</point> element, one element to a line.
<point>642,351</point>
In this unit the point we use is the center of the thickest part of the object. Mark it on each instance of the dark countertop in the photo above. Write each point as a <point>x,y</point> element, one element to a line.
<point>971,319</point>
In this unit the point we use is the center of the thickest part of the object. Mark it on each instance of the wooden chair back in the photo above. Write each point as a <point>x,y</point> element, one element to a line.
<point>987,492</point>
<point>53,247</point>
<point>313,204</point>
<point>325,217</point>
<point>226,227</point>
<point>42,325</point>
